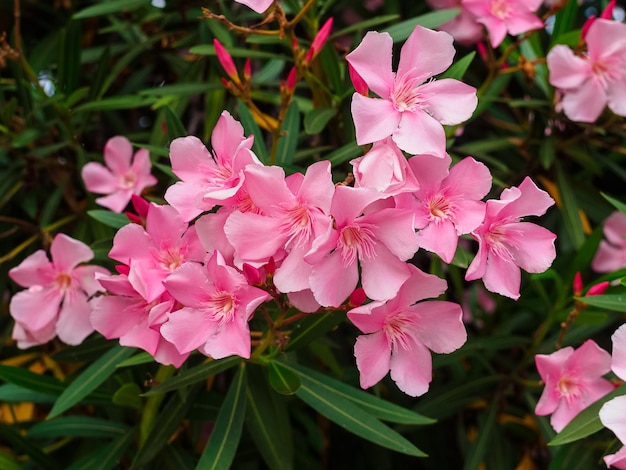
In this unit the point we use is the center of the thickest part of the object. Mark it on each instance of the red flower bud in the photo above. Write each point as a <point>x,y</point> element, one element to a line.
<point>359,84</point>
<point>357,298</point>
<point>598,289</point>
<point>577,285</point>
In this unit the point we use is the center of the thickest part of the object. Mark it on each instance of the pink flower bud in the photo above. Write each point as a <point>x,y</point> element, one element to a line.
<point>122,269</point>
<point>252,274</point>
<point>270,267</point>
<point>357,298</point>
<point>320,39</point>
<point>247,70</point>
<point>586,26</point>
<point>359,84</point>
<point>225,60</point>
<point>598,289</point>
<point>577,285</point>
<point>291,80</point>
<point>141,206</point>
<point>607,13</point>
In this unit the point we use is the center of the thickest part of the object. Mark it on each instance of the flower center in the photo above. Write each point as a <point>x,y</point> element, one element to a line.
<point>405,96</point>
<point>63,281</point>
<point>357,241</point>
<point>500,8</point>
<point>400,330</point>
<point>439,207</point>
<point>500,239</point>
<point>299,223</point>
<point>128,180</point>
<point>222,306</point>
<point>170,258</point>
<point>568,387</point>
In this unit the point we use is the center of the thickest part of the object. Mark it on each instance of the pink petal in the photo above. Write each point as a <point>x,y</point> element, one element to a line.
<point>165,226</point>
<point>469,179</point>
<point>394,228</point>
<point>35,270</point>
<point>210,230</point>
<point>184,197</point>
<point>255,237</point>
<point>569,409</point>
<point>98,179</point>
<point>468,215</point>
<point>317,188</point>
<point>590,361</point>
<point>606,38</point>
<point>85,277</point>
<point>293,274</point>
<point>523,21</point>
<point>142,164</point>
<point>612,416</point>
<point>383,276</point>
<point>189,274</point>
<point>348,203</point>
<point>567,70</point>
<point>257,5</point>
<point>425,53</point>
<point>188,329</point>
<point>618,363</point>
<point>304,301</point>
<point>615,228</point>
<point>372,61</point>
<point>267,188</point>
<point>116,201</point>
<point>36,307</point>
<point>440,325</point>
<point>478,266</point>
<point>66,252</point>
<point>411,369</point>
<point>118,152</point>
<point>187,155</point>
<point>113,316</point>
<point>331,281</point>
<point>449,101</point>
<point>131,242</point>
<point>550,368</point>
<point>531,201</point>
<point>440,238</point>
<point>370,317</point>
<point>233,338</point>
<point>502,277</point>
<point>420,286</point>
<point>27,337</point>
<point>419,133</point>
<point>74,325</point>
<point>227,137</point>
<point>585,103</point>
<point>608,258</point>
<point>430,171</point>
<point>167,354</point>
<point>616,98</point>
<point>374,118</point>
<point>535,251</point>
<point>617,460</point>
<point>495,27</point>
<point>373,358</point>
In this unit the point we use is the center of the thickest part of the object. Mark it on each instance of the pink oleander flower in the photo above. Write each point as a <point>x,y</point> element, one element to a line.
<point>613,412</point>
<point>505,16</point>
<point>410,107</point>
<point>385,169</point>
<point>209,179</point>
<point>596,79</point>
<point>398,334</point>
<point>260,6</point>
<point>611,254</point>
<point>125,314</point>
<point>464,28</point>
<point>506,244</point>
<point>379,241</point>
<point>216,311</point>
<point>154,252</point>
<point>448,203</point>
<point>55,303</point>
<point>123,176</point>
<point>294,211</point>
<point>573,381</point>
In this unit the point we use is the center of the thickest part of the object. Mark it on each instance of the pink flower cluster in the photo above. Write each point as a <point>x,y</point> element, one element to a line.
<point>237,233</point>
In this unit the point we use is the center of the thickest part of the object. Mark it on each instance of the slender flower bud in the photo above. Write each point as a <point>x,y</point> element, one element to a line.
<point>141,206</point>
<point>607,13</point>
<point>598,289</point>
<point>586,26</point>
<point>357,298</point>
<point>577,285</point>
<point>252,274</point>
<point>247,70</point>
<point>291,80</point>
<point>320,39</point>
<point>122,269</point>
<point>359,84</point>
<point>226,60</point>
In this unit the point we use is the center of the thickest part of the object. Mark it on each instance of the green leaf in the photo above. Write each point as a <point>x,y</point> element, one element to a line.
<point>315,120</point>
<point>586,422</point>
<point>331,403</point>
<point>194,375</point>
<point>111,219</point>
<point>569,209</point>
<point>7,463</point>
<point>343,154</point>
<point>88,351</point>
<point>207,49</point>
<point>175,128</point>
<point>615,302</point>
<point>80,426</point>
<point>106,457</point>
<point>128,395</point>
<point>312,328</point>
<point>457,70</point>
<point>365,25</point>
<point>288,141</point>
<point>69,57</point>
<point>481,445</point>
<point>402,30</point>
<point>267,421</point>
<point>11,393</point>
<point>142,357</point>
<point>378,407</point>
<point>27,379</point>
<point>111,6</point>
<point>564,21</point>
<point>222,446</point>
<point>116,102</point>
<point>18,443</point>
<point>90,379</point>
<point>283,380</point>
<point>252,128</point>
<point>620,206</point>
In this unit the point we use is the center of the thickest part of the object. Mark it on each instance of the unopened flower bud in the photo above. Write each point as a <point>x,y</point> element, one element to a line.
<point>291,80</point>
<point>359,84</point>
<point>598,289</point>
<point>252,274</point>
<point>226,60</point>
<point>577,284</point>
<point>320,39</point>
<point>357,298</point>
<point>247,70</point>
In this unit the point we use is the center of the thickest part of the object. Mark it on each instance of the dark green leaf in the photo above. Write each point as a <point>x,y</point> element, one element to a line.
<point>80,426</point>
<point>106,457</point>
<point>206,49</point>
<point>7,463</point>
<point>194,375</point>
<point>11,393</point>
<point>457,70</point>
<point>564,21</point>
<point>222,446</point>
<point>283,380</point>
<point>570,209</point>
<point>108,7</point>
<point>111,219</point>
<point>128,395</point>
<point>481,445</point>
<point>116,102</point>
<point>142,357</point>
<point>90,379</point>
<point>288,141</point>
<point>251,128</point>
<point>620,206</point>
<point>175,128</point>
<point>21,444</point>
<point>315,120</point>
<point>27,379</point>
<point>312,328</point>
<point>401,31</point>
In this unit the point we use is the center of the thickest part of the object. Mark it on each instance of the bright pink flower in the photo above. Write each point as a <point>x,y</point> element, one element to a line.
<point>379,241</point>
<point>594,80</point>
<point>293,213</point>
<point>464,28</point>
<point>155,252</point>
<point>411,107</point>
<point>257,5</point>
<point>216,311</point>
<point>126,315</point>
<point>385,169</point>
<point>505,16</point>
<point>448,203</point>
<point>123,176</point>
<point>505,244</point>
<point>611,254</point>
<point>613,412</point>
<point>399,333</point>
<point>573,380</point>
<point>209,179</point>
<point>56,300</point>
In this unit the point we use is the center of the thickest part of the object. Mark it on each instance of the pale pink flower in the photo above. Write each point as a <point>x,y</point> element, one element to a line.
<point>123,313</point>
<point>611,254</point>
<point>209,179</point>
<point>411,107</point>
<point>592,81</point>
<point>55,303</point>
<point>506,244</point>
<point>400,332</point>
<point>385,169</point>
<point>154,252</point>
<point>573,381</point>
<point>448,203</point>
<point>464,28</point>
<point>613,412</point>
<point>379,241</point>
<point>216,311</point>
<point>123,176</point>
<point>505,16</point>
<point>260,6</point>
